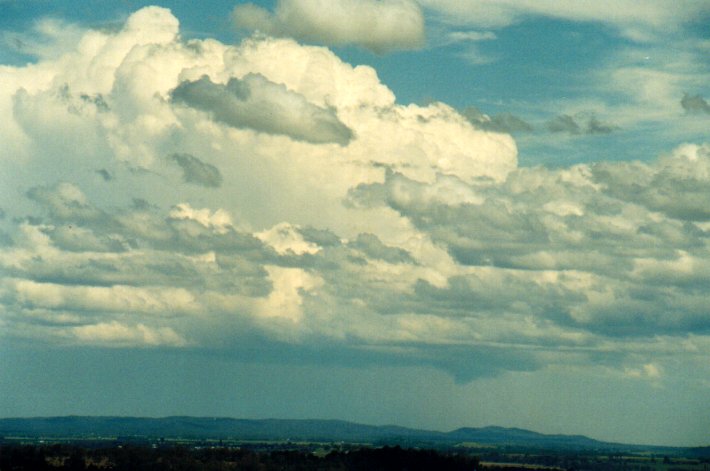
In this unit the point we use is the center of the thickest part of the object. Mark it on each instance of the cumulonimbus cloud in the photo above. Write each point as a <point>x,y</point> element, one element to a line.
<point>378,25</point>
<point>419,234</point>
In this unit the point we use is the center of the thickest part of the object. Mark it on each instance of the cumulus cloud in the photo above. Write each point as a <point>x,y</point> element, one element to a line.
<point>687,168</point>
<point>119,335</point>
<point>419,239</point>
<point>459,36</point>
<point>255,102</point>
<point>196,171</point>
<point>378,25</point>
<point>575,235</point>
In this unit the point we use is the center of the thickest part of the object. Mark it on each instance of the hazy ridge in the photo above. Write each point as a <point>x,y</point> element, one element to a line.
<point>284,429</point>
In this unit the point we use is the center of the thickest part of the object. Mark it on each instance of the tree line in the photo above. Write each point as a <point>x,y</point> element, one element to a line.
<point>180,458</point>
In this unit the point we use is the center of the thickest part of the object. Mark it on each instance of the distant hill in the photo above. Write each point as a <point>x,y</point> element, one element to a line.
<point>78,427</point>
<point>516,436</point>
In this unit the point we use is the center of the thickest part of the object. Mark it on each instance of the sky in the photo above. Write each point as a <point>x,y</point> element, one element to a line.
<point>426,213</point>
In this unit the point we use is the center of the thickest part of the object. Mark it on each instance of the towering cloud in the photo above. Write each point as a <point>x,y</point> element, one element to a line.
<point>269,190</point>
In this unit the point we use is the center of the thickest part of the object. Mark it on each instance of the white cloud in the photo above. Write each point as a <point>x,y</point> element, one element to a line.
<point>286,298</point>
<point>419,235</point>
<point>219,221</point>
<point>574,226</point>
<point>380,26</point>
<point>160,301</point>
<point>115,334</point>
<point>285,238</point>
<point>457,36</point>
<point>649,371</point>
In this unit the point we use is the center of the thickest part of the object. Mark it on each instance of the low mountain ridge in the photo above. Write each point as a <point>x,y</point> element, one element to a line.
<point>495,435</point>
<point>87,427</point>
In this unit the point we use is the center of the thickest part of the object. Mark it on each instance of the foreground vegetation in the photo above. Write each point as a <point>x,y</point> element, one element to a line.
<point>137,458</point>
<point>100,455</point>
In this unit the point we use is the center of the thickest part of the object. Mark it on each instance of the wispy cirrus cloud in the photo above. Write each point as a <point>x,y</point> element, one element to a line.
<point>632,21</point>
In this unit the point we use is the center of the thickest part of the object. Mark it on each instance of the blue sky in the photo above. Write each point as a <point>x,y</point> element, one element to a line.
<point>434,214</point>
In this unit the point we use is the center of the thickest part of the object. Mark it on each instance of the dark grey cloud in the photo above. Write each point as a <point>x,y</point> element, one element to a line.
<point>503,122</point>
<point>105,174</point>
<point>474,296</point>
<point>140,204</point>
<point>509,123</point>
<point>320,237</point>
<point>469,363</point>
<point>198,172</point>
<point>190,236</point>
<point>576,126</point>
<point>65,202</point>
<point>75,238</point>
<point>97,100</point>
<point>5,238</point>
<point>648,310</point>
<point>373,247</point>
<point>256,103</point>
<point>563,123</point>
<point>694,104</point>
<point>594,126</point>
